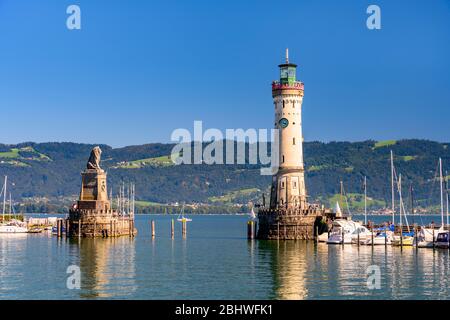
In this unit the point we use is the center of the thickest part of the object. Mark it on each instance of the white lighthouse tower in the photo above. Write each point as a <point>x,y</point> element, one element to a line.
<point>288,185</point>
<point>288,216</point>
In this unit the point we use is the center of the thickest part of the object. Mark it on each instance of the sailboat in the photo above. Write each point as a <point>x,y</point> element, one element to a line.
<point>345,230</point>
<point>337,210</point>
<point>427,237</point>
<point>181,217</point>
<point>405,239</point>
<point>442,240</point>
<point>13,225</point>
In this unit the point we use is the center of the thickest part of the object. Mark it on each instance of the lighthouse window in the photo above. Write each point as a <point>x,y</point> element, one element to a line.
<point>293,141</point>
<point>283,104</point>
<point>295,185</point>
<point>283,159</point>
<point>293,104</point>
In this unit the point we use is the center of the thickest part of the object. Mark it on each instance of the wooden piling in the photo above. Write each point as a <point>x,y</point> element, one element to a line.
<point>278,230</point>
<point>358,239</point>
<point>255,232</point>
<point>317,234</point>
<point>79,228</point>
<point>401,236</point>
<point>342,236</point>
<point>371,235</point>
<point>59,227</point>
<point>415,235</point>
<point>250,230</point>
<point>153,229</point>
<point>385,237</point>
<point>172,229</point>
<point>183,228</point>
<point>67,222</point>
<point>434,242</point>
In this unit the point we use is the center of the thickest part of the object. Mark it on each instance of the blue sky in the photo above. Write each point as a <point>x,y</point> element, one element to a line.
<point>137,70</point>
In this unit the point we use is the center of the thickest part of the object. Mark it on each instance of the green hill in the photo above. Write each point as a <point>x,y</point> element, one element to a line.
<point>46,176</point>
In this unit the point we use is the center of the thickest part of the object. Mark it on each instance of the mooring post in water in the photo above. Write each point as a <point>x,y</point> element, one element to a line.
<point>255,223</point>
<point>79,228</point>
<point>58,227</point>
<point>172,229</point>
<point>434,242</point>
<point>415,235</point>
<point>401,236</point>
<point>153,229</point>
<point>278,230</point>
<point>385,236</point>
<point>67,227</point>
<point>371,235</point>
<point>250,230</point>
<point>342,236</point>
<point>317,234</point>
<point>358,238</point>
<point>183,228</point>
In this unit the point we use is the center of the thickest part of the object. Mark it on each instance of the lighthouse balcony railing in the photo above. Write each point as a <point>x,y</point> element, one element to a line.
<point>276,85</point>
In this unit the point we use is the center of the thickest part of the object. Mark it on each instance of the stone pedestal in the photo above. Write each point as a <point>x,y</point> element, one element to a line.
<point>288,224</point>
<point>92,215</point>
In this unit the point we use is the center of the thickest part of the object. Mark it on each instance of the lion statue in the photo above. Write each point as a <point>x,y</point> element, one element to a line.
<point>94,159</point>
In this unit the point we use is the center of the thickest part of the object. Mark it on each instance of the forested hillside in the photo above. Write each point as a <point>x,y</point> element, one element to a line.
<point>46,176</point>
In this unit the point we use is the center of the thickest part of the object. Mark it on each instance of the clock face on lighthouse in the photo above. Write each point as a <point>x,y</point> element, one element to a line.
<point>283,122</point>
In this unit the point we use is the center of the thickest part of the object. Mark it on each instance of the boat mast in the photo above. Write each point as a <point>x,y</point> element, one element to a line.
<point>412,199</point>
<point>441,179</point>
<point>400,196</point>
<point>365,200</point>
<point>392,187</point>
<point>4,198</point>
<point>446,192</point>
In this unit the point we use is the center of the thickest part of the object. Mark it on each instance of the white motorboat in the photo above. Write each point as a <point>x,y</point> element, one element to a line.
<point>382,238</point>
<point>442,240</point>
<point>14,226</point>
<point>344,231</point>
<point>441,236</point>
<point>323,237</point>
<point>425,237</point>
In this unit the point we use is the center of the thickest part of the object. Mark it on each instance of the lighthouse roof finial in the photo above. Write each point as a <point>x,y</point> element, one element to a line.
<point>287,55</point>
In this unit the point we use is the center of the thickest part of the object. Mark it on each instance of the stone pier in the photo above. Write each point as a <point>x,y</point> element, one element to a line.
<point>92,215</point>
<point>288,224</point>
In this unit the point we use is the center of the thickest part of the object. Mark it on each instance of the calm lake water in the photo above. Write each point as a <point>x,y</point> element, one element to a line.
<point>215,262</point>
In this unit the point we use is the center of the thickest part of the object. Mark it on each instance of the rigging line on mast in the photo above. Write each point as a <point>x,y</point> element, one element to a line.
<point>433,185</point>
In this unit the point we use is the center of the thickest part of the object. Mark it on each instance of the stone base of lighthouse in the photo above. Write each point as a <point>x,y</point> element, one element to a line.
<point>288,224</point>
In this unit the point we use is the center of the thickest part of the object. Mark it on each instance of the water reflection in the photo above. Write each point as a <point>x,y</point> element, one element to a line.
<point>107,267</point>
<point>289,267</point>
<point>305,270</point>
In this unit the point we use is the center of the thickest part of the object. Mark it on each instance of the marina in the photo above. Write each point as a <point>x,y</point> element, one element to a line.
<point>176,151</point>
<point>215,261</point>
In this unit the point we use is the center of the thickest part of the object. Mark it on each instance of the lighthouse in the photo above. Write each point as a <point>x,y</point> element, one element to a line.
<point>288,216</point>
<point>288,184</point>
